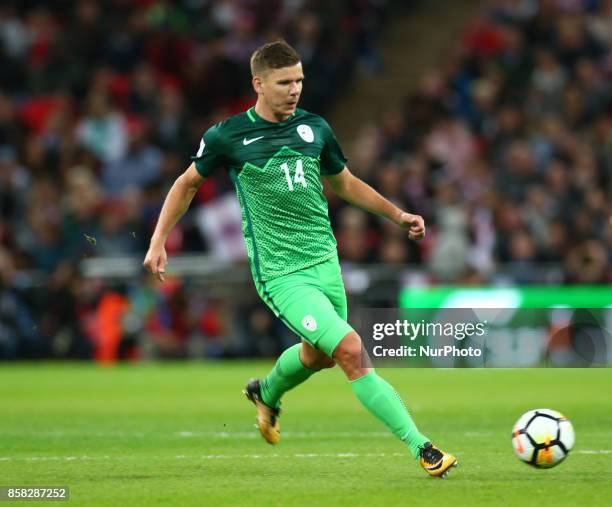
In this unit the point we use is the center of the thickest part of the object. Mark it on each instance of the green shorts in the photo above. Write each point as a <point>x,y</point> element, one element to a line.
<point>311,302</point>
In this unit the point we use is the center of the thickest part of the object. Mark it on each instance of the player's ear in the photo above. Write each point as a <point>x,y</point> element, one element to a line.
<point>256,81</point>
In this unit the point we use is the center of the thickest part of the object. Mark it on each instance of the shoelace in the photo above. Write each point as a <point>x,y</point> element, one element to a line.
<point>431,455</point>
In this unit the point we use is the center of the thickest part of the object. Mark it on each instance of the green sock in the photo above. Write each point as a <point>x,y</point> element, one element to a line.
<point>379,397</point>
<point>287,373</point>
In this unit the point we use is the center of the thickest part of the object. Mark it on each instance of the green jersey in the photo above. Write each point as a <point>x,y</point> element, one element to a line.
<point>276,169</point>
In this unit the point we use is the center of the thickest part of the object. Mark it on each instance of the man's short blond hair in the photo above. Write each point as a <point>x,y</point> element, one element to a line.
<point>273,55</point>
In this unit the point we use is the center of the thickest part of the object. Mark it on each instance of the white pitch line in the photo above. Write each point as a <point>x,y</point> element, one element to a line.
<point>202,434</point>
<point>50,434</point>
<point>247,435</point>
<point>340,455</point>
<point>302,434</point>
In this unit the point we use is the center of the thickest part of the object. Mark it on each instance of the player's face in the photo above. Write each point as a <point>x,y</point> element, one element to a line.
<point>280,89</point>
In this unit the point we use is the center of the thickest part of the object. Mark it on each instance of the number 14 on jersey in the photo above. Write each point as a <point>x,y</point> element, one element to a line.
<point>298,176</point>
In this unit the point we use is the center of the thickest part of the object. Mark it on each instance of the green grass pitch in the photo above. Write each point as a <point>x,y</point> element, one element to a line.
<point>183,434</point>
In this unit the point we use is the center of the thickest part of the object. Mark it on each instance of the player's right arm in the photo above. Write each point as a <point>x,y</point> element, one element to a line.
<point>176,204</point>
<point>209,157</point>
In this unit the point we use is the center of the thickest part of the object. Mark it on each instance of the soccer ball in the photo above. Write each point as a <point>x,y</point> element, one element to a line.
<point>543,438</point>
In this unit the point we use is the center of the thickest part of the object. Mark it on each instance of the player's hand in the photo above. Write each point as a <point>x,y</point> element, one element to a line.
<point>156,260</point>
<point>414,224</point>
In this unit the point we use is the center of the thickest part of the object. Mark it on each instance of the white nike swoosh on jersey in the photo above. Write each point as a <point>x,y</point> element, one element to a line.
<point>246,141</point>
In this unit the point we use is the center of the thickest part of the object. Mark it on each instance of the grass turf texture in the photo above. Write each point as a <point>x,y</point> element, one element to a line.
<point>183,434</point>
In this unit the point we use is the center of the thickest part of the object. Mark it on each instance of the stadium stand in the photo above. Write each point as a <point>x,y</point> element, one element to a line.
<point>505,148</point>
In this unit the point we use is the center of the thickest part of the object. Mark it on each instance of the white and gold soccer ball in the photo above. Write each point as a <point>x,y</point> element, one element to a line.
<point>543,438</point>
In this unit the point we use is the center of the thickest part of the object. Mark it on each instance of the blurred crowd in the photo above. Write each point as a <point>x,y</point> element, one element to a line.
<point>101,105</point>
<point>505,148</point>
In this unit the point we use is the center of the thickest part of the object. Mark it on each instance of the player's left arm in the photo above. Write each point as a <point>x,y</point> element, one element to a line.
<point>356,191</point>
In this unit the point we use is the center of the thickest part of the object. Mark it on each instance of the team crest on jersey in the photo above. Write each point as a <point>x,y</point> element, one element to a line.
<point>309,323</point>
<point>306,133</point>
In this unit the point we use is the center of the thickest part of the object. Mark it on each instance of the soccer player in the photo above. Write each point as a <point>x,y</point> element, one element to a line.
<point>276,154</point>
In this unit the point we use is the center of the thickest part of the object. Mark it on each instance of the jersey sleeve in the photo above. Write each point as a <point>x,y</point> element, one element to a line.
<point>333,160</point>
<point>210,155</point>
